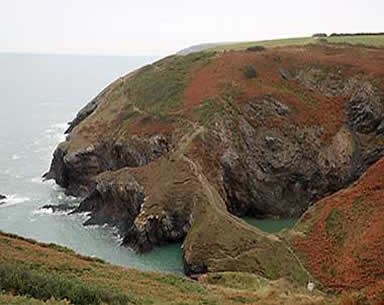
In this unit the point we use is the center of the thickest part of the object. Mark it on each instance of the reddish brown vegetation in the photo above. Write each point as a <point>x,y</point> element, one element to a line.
<point>344,245</point>
<point>310,108</point>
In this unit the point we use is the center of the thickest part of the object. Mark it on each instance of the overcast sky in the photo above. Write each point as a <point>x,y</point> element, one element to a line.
<point>160,27</point>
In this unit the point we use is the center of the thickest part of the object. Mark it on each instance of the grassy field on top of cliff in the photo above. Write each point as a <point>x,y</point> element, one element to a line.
<point>33,268</point>
<point>265,43</point>
<point>366,40</point>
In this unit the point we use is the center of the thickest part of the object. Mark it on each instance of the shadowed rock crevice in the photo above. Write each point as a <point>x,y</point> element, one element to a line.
<point>116,201</point>
<point>279,173</point>
<point>365,109</point>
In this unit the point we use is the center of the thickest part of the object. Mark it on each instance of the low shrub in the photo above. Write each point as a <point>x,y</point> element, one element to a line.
<point>356,34</point>
<point>250,71</point>
<point>319,35</point>
<point>256,49</point>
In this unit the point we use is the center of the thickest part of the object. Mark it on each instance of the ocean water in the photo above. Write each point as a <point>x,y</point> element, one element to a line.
<point>39,94</point>
<point>271,225</point>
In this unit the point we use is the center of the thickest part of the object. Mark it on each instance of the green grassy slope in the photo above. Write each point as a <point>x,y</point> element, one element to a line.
<point>265,43</point>
<point>374,41</point>
<point>366,40</point>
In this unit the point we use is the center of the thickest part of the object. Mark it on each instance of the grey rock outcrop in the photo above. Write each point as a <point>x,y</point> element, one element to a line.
<point>74,170</point>
<point>365,109</point>
<point>115,200</point>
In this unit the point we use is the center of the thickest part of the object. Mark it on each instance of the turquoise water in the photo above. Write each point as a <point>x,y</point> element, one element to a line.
<point>38,95</point>
<point>271,225</point>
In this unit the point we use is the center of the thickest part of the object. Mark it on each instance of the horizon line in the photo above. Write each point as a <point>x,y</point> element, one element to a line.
<point>74,54</point>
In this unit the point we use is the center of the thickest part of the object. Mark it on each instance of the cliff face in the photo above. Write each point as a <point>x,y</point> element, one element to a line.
<point>176,149</point>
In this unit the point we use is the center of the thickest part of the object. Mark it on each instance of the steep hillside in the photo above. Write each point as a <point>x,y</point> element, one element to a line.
<point>178,149</point>
<point>341,237</point>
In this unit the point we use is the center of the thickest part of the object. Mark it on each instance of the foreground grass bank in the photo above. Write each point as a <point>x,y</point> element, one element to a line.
<point>35,273</point>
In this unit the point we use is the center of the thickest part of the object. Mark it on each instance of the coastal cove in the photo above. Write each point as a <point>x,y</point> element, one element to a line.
<point>238,177</point>
<point>39,94</point>
<point>271,225</point>
<point>34,119</point>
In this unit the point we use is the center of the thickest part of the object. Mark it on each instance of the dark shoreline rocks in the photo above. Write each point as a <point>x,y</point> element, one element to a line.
<point>2,198</point>
<point>59,208</point>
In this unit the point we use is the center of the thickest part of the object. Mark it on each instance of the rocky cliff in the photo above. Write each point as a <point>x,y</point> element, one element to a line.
<point>180,148</point>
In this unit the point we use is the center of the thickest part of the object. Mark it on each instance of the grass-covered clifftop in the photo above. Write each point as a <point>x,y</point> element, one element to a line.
<point>363,40</point>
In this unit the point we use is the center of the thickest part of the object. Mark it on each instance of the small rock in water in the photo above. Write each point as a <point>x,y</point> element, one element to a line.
<point>2,197</point>
<point>59,207</point>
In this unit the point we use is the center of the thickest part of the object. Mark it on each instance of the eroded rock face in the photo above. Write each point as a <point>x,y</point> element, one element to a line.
<point>146,216</point>
<point>365,109</point>
<point>154,230</point>
<point>279,173</point>
<point>116,200</point>
<point>75,170</point>
<point>329,83</point>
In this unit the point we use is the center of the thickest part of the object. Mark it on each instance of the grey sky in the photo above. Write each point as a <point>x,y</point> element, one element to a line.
<point>159,27</point>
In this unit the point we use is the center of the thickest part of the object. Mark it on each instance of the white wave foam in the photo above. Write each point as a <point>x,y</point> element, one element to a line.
<point>56,131</point>
<point>13,200</point>
<point>61,126</point>
<point>45,211</point>
<point>16,157</point>
<point>83,217</point>
<point>118,239</point>
<point>38,180</point>
<point>49,211</point>
<point>55,186</point>
<point>60,137</point>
